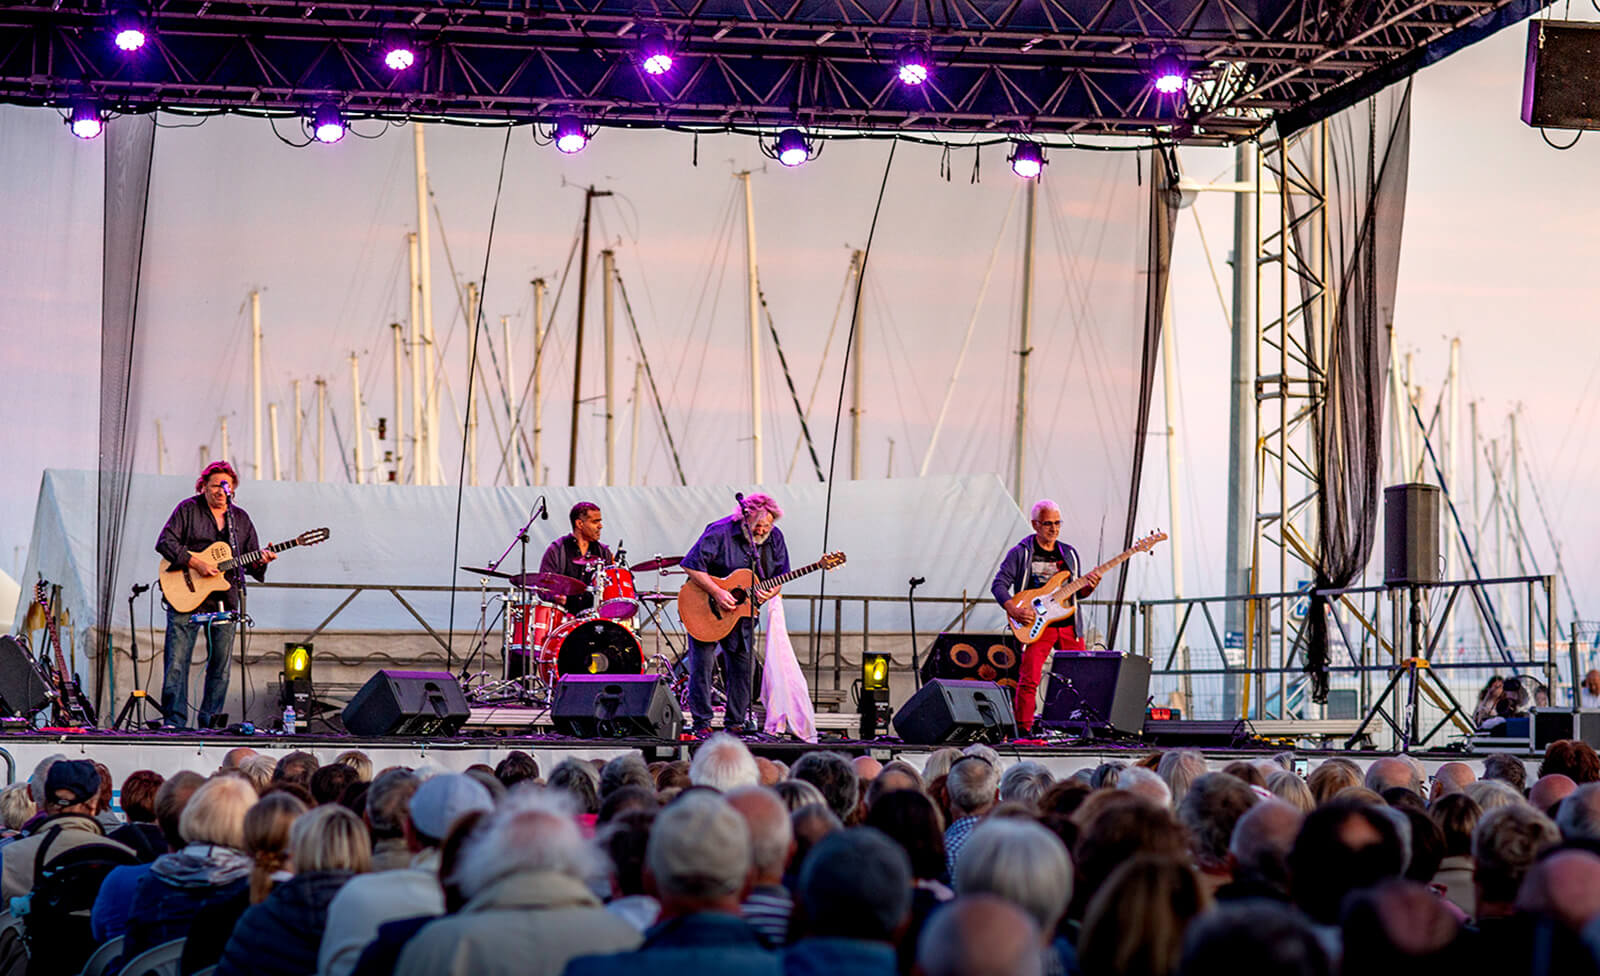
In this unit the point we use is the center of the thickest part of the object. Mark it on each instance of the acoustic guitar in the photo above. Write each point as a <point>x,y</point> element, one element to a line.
<point>708,622</point>
<point>1052,602</point>
<point>186,589</point>
<point>70,706</point>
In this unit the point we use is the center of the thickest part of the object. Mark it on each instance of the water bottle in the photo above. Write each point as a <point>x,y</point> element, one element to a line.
<point>288,719</point>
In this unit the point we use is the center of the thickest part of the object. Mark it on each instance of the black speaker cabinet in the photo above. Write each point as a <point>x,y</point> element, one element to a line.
<point>1561,82</point>
<point>407,703</point>
<point>22,688</point>
<point>974,657</point>
<point>1106,689</point>
<point>1411,535</point>
<point>946,711</point>
<point>616,706</point>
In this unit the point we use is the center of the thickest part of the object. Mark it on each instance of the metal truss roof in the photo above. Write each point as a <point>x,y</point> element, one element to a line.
<point>1049,67</point>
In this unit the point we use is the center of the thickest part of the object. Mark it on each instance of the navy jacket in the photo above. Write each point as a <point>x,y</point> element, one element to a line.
<point>162,912</point>
<point>1012,577</point>
<point>839,957</point>
<point>281,936</point>
<point>703,944</point>
<point>723,547</point>
<point>191,528</point>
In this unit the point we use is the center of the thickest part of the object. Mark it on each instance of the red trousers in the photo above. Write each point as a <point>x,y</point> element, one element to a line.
<point>1062,637</point>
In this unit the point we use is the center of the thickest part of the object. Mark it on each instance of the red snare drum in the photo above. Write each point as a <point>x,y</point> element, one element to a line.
<point>618,600</point>
<point>590,645</point>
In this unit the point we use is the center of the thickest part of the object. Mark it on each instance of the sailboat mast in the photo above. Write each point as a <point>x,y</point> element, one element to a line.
<point>755,327</point>
<point>425,299</point>
<point>255,381</point>
<point>538,368</point>
<point>418,450</point>
<point>357,431</point>
<point>1023,349</point>
<point>608,267</point>
<point>857,360</point>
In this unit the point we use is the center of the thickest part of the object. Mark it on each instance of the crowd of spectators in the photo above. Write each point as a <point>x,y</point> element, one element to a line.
<point>1167,864</point>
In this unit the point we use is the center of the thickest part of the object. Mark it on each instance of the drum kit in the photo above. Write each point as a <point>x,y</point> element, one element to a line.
<point>544,639</point>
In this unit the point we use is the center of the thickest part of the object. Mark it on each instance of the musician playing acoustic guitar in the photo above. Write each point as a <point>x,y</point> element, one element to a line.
<point>726,545</point>
<point>1028,565</point>
<point>205,518</point>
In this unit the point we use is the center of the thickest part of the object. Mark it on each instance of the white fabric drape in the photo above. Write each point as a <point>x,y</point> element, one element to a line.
<point>783,684</point>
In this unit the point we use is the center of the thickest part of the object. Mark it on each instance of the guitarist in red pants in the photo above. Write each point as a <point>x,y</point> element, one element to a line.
<point>1028,565</point>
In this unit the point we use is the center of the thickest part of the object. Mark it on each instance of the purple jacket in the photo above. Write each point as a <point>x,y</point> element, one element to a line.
<point>1012,576</point>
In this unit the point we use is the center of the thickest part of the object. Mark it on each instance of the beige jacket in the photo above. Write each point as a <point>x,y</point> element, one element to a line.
<point>16,858</point>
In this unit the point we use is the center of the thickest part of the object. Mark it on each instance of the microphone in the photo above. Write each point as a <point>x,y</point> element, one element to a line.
<point>544,509</point>
<point>139,588</point>
<point>227,489</point>
<point>917,581</point>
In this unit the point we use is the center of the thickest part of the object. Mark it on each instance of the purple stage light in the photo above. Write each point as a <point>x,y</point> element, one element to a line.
<point>130,39</point>
<point>570,136</point>
<point>914,66</point>
<point>1169,75</point>
<point>399,57</point>
<point>85,121</point>
<point>327,125</point>
<point>1027,159</point>
<point>128,30</point>
<point>793,149</point>
<point>657,54</point>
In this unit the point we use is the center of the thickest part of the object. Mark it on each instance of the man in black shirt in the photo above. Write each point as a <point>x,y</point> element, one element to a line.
<point>578,553</point>
<point>200,521</point>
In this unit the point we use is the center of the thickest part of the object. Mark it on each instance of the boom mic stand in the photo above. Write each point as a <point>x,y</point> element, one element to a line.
<point>911,604</point>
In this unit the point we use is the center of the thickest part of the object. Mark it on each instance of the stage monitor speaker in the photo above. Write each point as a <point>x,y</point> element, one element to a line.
<point>974,657</point>
<point>1411,535</point>
<point>22,688</point>
<point>616,706</point>
<point>1105,689</point>
<point>1227,733</point>
<point>407,703</point>
<point>946,711</point>
<point>1561,81</point>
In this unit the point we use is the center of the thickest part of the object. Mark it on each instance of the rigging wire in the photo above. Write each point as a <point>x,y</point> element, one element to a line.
<point>472,365</point>
<point>788,377</point>
<point>822,361</point>
<point>838,409</point>
<point>650,376</point>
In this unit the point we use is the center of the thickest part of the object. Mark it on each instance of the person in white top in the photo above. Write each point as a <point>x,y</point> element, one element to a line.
<point>1589,693</point>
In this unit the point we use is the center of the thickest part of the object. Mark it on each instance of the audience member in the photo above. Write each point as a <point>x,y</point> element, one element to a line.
<point>234,758</point>
<point>768,904</point>
<point>1067,795</point>
<point>529,909</point>
<point>867,768</point>
<point>1549,790</point>
<point>211,868</point>
<point>797,793</point>
<point>329,782</point>
<point>267,828</point>
<point>1401,798</point>
<point>358,761</point>
<point>1507,769</point>
<point>109,917</point>
<point>103,801</point>
<point>388,799</point>
<point>625,799</point>
<point>1209,811</point>
<point>1451,777</point>
<point>1145,783</point>
<point>1246,772</point>
<point>853,901</point>
<point>1492,794</point>
<point>772,773</point>
<point>1572,758</point>
<point>625,841</point>
<point>1398,927</point>
<point>16,809</point>
<point>366,902</point>
<point>580,781</point>
<point>1178,769</point>
<point>1276,939</point>
<point>1427,846</point>
<point>627,769</point>
<point>1343,846</point>
<point>1332,777</point>
<point>698,863</point>
<point>1579,817</point>
<point>1456,815</point>
<point>71,792</point>
<point>139,807</point>
<point>258,771</point>
<point>1019,861</point>
<point>980,935</point>
<point>1136,921</point>
<point>1392,771</point>
<point>1107,775</point>
<point>296,767</point>
<point>1258,852</point>
<point>516,767</point>
<point>280,936</point>
<point>836,778</point>
<point>1025,783</point>
<point>1292,789</point>
<point>939,762</point>
<point>810,824</point>
<point>896,774</point>
<point>723,762</point>
<point>974,785</point>
<point>1504,846</point>
<point>1123,828</point>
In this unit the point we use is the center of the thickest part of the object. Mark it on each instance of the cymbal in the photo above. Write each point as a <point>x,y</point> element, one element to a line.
<point>656,597</point>
<point>660,562</point>
<point>486,572</point>
<point>551,586</point>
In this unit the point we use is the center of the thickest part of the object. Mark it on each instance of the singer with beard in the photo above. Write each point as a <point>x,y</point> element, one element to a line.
<point>200,521</point>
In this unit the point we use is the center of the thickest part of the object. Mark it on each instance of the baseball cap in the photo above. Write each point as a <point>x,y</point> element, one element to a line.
<point>443,799</point>
<point>75,776</point>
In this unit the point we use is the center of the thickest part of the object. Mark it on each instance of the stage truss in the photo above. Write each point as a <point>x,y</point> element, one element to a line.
<point>1052,68</point>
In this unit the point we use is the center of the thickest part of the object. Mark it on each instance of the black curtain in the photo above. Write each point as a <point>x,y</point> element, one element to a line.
<point>130,148</point>
<point>1158,266</point>
<point>1366,150</point>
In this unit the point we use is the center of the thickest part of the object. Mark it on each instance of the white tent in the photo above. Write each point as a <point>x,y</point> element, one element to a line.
<point>950,529</point>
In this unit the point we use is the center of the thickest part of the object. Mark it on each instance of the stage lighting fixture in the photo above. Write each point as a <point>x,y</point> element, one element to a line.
<point>873,704</point>
<point>128,31</point>
<point>655,53</point>
<point>327,125</point>
<point>914,65</point>
<point>792,148</point>
<point>398,51</point>
<point>297,661</point>
<point>570,135</point>
<point>875,672</point>
<point>1027,159</point>
<point>1169,74</point>
<point>85,121</point>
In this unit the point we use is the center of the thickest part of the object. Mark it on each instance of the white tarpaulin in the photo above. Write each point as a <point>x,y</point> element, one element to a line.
<point>950,529</point>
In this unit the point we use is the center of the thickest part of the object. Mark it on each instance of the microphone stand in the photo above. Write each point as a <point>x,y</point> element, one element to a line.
<point>911,604</point>
<point>132,712</point>
<point>241,620</point>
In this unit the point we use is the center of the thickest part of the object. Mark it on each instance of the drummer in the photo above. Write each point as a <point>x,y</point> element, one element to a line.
<point>578,553</point>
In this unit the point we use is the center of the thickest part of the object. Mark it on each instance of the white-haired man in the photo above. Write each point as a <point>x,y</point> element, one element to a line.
<point>1029,565</point>
<point>724,763</point>
<point>747,539</point>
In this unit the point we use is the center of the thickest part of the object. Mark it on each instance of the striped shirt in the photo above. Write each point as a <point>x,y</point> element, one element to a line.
<point>767,909</point>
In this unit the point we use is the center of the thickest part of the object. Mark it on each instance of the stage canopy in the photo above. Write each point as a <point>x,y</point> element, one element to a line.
<point>993,67</point>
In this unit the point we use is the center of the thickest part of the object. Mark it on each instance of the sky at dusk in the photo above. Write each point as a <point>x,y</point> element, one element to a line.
<point>1499,247</point>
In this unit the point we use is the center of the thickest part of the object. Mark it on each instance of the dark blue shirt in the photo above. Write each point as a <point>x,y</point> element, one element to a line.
<point>191,528</point>
<point>703,944</point>
<point>724,547</point>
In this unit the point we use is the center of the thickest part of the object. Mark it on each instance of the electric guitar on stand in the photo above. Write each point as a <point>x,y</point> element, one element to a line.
<point>186,589</point>
<point>70,705</point>
<point>1052,602</point>
<point>706,621</point>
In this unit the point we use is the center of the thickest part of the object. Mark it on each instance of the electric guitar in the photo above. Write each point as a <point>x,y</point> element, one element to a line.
<point>1052,602</point>
<point>186,589</point>
<point>706,621</point>
<point>70,705</point>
